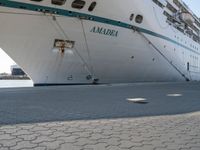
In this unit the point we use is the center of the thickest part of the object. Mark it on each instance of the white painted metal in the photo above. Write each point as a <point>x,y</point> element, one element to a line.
<point>129,57</point>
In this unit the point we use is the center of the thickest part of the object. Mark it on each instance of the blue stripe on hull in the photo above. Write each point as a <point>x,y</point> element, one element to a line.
<point>33,7</point>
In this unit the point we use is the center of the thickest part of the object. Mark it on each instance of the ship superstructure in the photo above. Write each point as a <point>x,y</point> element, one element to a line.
<point>182,18</point>
<point>101,41</point>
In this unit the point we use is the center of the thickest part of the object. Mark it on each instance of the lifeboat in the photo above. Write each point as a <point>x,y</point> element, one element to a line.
<point>187,18</point>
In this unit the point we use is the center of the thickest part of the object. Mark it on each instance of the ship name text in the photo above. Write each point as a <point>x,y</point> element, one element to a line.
<point>104,31</point>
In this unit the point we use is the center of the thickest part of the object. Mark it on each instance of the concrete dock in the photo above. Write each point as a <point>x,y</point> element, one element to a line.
<point>101,117</point>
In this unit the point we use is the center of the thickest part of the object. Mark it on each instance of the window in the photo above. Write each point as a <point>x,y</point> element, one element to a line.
<point>78,4</point>
<point>131,17</point>
<point>58,2</point>
<point>139,19</point>
<point>92,6</point>
<point>158,3</point>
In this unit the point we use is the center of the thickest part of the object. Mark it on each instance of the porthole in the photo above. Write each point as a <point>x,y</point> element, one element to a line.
<point>92,6</point>
<point>131,17</point>
<point>78,4</point>
<point>139,19</point>
<point>58,2</point>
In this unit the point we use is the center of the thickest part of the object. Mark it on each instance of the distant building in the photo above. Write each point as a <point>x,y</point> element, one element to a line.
<point>17,71</point>
<point>4,74</point>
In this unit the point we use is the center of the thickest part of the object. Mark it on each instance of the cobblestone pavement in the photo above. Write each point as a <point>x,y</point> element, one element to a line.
<point>176,132</point>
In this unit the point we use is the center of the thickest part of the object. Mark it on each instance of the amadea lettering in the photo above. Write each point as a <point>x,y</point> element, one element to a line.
<point>104,31</point>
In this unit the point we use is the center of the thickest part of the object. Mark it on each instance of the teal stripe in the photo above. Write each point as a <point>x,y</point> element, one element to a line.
<point>33,7</point>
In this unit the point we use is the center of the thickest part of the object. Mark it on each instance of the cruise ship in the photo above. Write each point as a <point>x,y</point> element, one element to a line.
<point>63,42</point>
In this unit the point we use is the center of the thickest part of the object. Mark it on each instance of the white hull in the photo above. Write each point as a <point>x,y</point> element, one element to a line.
<point>129,57</point>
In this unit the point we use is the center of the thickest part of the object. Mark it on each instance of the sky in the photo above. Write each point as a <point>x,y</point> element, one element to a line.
<point>6,61</point>
<point>194,5</point>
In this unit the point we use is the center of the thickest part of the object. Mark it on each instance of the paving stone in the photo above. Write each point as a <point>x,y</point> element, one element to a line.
<point>59,129</point>
<point>54,125</point>
<point>59,134</point>
<point>137,139</point>
<point>40,128</point>
<point>11,131</point>
<point>99,146</point>
<point>193,145</point>
<point>195,140</point>
<point>37,148</point>
<point>105,127</point>
<point>126,144</point>
<point>29,137</point>
<point>115,148</point>
<point>85,127</point>
<point>195,148</point>
<point>85,134</point>
<point>108,132</point>
<point>149,133</point>
<point>124,136</point>
<point>98,136</point>
<point>22,132</point>
<point>143,147</point>
<point>158,144</point>
<point>52,145</point>
<point>136,145</point>
<point>96,130</point>
<point>70,146</point>
<point>23,145</point>
<point>6,137</point>
<point>111,141</point>
<point>41,139</point>
<point>10,143</point>
<point>176,146</point>
<point>69,139</point>
<point>26,127</point>
<point>160,148</point>
<point>4,148</point>
<point>73,130</point>
<point>45,132</point>
<point>84,141</point>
